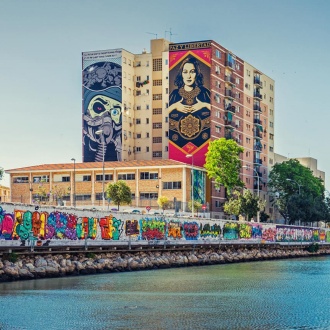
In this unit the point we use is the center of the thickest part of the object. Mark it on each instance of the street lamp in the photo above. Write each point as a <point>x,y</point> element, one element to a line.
<point>299,185</point>
<point>100,132</point>
<point>192,183</point>
<point>74,181</point>
<point>258,190</point>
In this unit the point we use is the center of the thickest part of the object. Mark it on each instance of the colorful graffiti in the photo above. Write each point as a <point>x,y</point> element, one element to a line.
<point>57,225</point>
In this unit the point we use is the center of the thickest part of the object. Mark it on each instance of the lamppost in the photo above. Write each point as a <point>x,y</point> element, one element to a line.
<point>299,185</point>
<point>192,183</point>
<point>100,132</point>
<point>258,191</point>
<point>74,181</point>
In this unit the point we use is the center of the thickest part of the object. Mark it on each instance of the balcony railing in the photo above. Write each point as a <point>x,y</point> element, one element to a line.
<point>230,79</point>
<point>257,81</point>
<point>257,161</point>
<point>257,108</point>
<point>229,136</point>
<point>257,121</point>
<point>257,95</point>
<point>230,64</point>
<point>257,147</point>
<point>229,93</point>
<point>231,108</point>
<point>229,123</point>
<point>258,135</point>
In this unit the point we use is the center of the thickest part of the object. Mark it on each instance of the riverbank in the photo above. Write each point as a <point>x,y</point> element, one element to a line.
<point>33,266</point>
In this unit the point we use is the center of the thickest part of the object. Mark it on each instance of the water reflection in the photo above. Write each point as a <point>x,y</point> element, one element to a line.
<point>286,294</point>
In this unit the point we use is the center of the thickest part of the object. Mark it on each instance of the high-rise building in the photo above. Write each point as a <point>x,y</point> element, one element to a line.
<point>169,103</point>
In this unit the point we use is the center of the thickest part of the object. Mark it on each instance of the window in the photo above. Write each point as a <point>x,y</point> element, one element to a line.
<point>65,179</point>
<point>99,197</point>
<point>42,178</point>
<point>87,178</point>
<point>128,176</point>
<point>148,176</point>
<point>271,112</point>
<point>138,149</point>
<point>21,179</point>
<point>157,64</point>
<point>166,62</point>
<point>271,124</point>
<point>172,185</point>
<point>237,81</point>
<point>217,69</point>
<point>271,87</point>
<point>270,161</point>
<point>166,148</point>
<point>138,121</point>
<point>157,125</point>
<point>166,90</point>
<point>217,53</point>
<point>147,149</point>
<point>147,107</point>
<point>271,136</point>
<point>217,98</point>
<point>166,133</point>
<point>157,139</point>
<point>107,177</point>
<point>157,97</point>
<point>138,135</point>
<point>157,111</point>
<point>217,204</point>
<point>138,107</point>
<point>217,129</point>
<point>147,134</point>
<point>83,197</point>
<point>217,84</point>
<point>138,93</point>
<point>248,72</point>
<point>217,114</point>
<point>157,154</point>
<point>147,120</point>
<point>271,149</point>
<point>138,78</point>
<point>148,195</point>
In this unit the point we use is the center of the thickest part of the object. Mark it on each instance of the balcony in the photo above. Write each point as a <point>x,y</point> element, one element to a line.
<point>255,186</point>
<point>230,108</point>
<point>257,161</point>
<point>257,147</point>
<point>230,79</point>
<point>257,81</point>
<point>230,65</point>
<point>229,136</point>
<point>257,95</point>
<point>257,108</point>
<point>257,135</point>
<point>257,121</point>
<point>230,123</point>
<point>229,94</point>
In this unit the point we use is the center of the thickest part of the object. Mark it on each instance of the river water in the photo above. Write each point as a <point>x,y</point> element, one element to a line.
<point>281,294</point>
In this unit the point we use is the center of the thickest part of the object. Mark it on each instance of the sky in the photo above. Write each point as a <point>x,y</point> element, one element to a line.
<point>41,42</point>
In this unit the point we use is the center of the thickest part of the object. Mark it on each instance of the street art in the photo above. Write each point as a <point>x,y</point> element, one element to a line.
<point>231,231</point>
<point>152,229</point>
<point>189,101</point>
<point>209,230</point>
<point>102,106</point>
<point>191,230</point>
<point>39,225</point>
<point>174,230</point>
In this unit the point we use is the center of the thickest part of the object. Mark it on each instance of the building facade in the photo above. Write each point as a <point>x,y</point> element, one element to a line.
<point>4,194</point>
<point>169,103</point>
<point>82,184</point>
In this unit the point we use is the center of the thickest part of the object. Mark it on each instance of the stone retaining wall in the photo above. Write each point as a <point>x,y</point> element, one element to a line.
<point>37,266</point>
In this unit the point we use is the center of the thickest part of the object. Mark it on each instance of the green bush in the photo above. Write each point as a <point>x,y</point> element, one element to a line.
<point>12,256</point>
<point>90,255</point>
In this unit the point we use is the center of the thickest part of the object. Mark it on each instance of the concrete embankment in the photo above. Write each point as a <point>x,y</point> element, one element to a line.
<point>34,266</point>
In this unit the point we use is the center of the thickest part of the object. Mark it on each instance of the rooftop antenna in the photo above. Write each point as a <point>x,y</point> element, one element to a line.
<point>171,34</point>
<point>155,34</point>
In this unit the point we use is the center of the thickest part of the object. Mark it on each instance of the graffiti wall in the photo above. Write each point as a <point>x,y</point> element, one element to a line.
<point>23,224</point>
<point>189,101</point>
<point>102,105</point>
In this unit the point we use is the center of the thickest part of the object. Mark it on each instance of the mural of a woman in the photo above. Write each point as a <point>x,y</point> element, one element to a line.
<point>190,95</point>
<point>189,108</point>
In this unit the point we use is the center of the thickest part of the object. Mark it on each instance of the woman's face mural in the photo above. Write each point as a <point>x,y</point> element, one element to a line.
<point>189,74</point>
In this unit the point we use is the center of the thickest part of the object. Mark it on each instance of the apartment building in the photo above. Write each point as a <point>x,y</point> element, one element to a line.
<point>4,194</point>
<point>132,108</point>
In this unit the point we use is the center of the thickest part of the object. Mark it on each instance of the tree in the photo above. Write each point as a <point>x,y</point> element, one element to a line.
<point>245,204</point>
<point>197,205</point>
<point>1,173</point>
<point>223,163</point>
<point>163,202</point>
<point>298,190</point>
<point>119,192</point>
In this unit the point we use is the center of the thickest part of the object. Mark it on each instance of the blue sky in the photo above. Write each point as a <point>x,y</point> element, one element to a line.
<point>40,61</point>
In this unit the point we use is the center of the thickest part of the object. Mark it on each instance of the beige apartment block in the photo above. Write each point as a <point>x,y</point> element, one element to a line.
<point>4,194</point>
